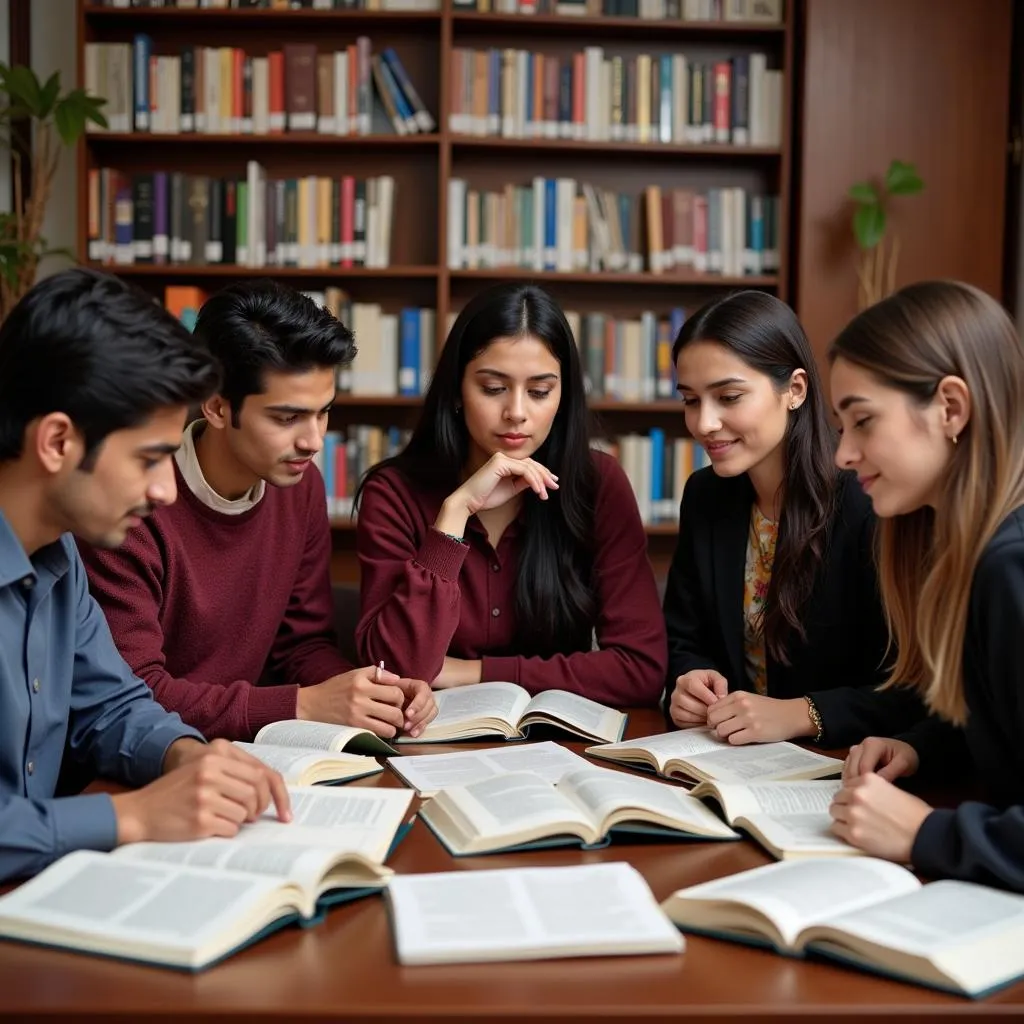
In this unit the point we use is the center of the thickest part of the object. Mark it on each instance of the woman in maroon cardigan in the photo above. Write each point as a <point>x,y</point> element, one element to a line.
<point>498,545</point>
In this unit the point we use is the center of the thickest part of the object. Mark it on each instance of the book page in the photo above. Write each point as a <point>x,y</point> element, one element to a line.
<point>281,860</point>
<point>526,912</point>
<point>356,820</point>
<point>795,894</point>
<point>177,908</point>
<point>938,916</point>
<point>465,704</point>
<point>664,746</point>
<point>516,801</point>
<point>777,799</point>
<point>429,773</point>
<point>602,791</point>
<point>291,762</point>
<point>315,735</point>
<point>594,718</point>
<point>758,761</point>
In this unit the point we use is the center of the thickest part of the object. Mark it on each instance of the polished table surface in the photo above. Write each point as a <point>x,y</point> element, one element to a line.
<point>345,968</point>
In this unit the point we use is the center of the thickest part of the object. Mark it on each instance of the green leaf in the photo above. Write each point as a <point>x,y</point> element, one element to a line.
<point>21,84</point>
<point>869,226</point>
<point>902,179</point>
<point>863,192</point>
<point>70,122</point>
<point>49,94</point>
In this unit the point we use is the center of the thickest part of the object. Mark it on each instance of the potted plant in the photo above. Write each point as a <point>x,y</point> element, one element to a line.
<point>876,268</point>
<point>36,120</point>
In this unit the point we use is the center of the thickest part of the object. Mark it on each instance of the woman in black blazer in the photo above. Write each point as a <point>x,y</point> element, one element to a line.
<point>775,625</point>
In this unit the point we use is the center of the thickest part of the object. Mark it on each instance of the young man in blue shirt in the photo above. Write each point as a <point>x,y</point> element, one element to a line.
<point>95,383</point>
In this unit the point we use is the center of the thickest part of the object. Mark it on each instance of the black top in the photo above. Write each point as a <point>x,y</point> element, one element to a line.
<point>978,842</point>
<point>840,662</point>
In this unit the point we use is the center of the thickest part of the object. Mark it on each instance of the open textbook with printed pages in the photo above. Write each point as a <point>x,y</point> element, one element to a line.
<point>789,819</point>
<point>699,754</point>
<point>587,805</point>
<point>429,773</point>
<point>295,732</point>
<point>188,905</point>
<point>301,766</point>
<point>527,914</point>
<point>867,913</point>
<point>506,709</point>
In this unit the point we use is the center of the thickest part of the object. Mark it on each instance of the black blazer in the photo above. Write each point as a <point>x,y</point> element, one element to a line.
<point>841,661</point>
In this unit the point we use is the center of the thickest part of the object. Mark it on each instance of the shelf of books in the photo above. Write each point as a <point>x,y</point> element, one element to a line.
<point>392,157</point>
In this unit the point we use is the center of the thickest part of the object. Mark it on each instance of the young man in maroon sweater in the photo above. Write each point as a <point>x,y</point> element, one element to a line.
<point>231,584</point>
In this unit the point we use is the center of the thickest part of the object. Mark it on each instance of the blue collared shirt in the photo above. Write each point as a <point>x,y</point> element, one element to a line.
<point>63,681</point>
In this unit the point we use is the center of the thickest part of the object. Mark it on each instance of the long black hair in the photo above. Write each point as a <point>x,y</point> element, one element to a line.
<point>555,606</point>
<point>765,333</point>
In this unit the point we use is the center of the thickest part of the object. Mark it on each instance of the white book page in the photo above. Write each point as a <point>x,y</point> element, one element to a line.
<point>281,860</point>
<point>315,735</point>
<point>526,912</point>
<point>594,718</point>
<point>940,916</point>
<point>664,746</point>
<point>352,820</point>
<point>800,833</point>
<point>602,791</point>
<point>796,894</point>
<point>429,773</point>
<point>177,908</point>
<point>465,704</point>
<point>777,799</point>
<point>518,800</point>
<point>758,761</point>
<point>291,762</point>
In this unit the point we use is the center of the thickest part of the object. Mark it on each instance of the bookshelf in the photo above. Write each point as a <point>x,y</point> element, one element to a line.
<point>423,165</point>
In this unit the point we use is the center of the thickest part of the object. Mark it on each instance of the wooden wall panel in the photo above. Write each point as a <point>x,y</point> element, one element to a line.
<point>919,80</point>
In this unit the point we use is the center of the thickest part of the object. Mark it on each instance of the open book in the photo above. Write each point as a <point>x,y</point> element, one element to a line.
<point>429,773</point>
<point>699,754</point>
<point>521,810</point>
<point>868,913</point>
<point>527,914</point>
<point>189,905</point>
<point>295,732</point>
<point>506,709</point>
<point>300,766</point>
<point>789,819</point>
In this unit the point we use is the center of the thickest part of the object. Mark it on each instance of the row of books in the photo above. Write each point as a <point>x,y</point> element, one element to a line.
<point>661,98</point>
<point>768,12</point>
<point>172,217</point>
<point>657,466</point>
<point>223,90</point>
<point>279,5</point>
<point>562,225</point>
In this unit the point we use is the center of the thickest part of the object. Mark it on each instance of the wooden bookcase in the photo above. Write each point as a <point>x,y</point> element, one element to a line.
<point>422,165</point>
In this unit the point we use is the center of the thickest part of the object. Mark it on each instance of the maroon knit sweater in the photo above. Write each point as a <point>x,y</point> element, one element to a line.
<point>203,604</point>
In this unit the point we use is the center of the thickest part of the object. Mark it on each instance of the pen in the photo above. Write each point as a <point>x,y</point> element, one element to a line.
<point>377,672</point>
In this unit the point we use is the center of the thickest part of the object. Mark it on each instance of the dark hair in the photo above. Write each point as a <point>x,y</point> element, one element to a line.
<point>555,605</point>
<point>260,325</point>
<point>765,333</point>
<point>89,345</point>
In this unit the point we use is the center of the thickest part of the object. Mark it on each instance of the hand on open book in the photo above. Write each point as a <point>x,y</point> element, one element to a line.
<point>744,717</point>
<point>368,698</point>
<point>206,790</point>
<point>694,693</point>
<point>420,707</point>
<point>877,817</point>
<point>889,758</point>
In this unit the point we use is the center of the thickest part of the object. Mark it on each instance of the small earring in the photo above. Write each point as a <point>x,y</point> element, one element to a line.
<point>955,439</point>
<point>792,406</point>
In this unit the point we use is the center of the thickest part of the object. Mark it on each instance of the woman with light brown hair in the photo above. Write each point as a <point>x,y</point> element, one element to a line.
<point>929,388</point>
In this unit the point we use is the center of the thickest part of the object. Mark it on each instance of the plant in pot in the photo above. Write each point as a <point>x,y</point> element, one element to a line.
<point>37,121</point>
<point>876,266</point>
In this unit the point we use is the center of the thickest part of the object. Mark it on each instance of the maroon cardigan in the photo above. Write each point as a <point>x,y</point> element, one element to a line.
<point>425,596</point>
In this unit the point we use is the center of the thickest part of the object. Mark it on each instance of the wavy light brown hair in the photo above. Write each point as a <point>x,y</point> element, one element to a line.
<point>927,558</point>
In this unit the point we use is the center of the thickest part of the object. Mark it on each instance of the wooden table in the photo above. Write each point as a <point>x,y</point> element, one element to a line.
<point>345,969</point>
